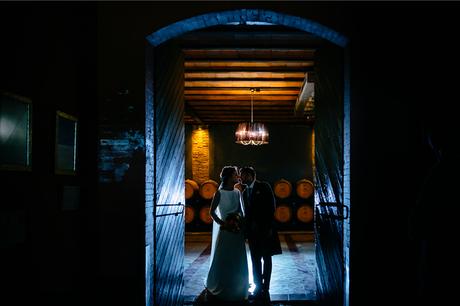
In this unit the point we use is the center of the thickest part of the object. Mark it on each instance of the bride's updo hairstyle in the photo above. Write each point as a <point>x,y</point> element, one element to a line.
<point>226,174</point>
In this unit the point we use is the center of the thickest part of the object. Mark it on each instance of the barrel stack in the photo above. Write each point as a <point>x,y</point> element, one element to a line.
<point>294,206</point>
<point>284,210</point>
<point>191,204</point>
<point>198,198</point>
<point>207,190</point>
<point>304,201</point>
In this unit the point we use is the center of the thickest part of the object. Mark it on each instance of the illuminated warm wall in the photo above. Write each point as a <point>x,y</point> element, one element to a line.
<point>200,154</point>
<point>288,155</point>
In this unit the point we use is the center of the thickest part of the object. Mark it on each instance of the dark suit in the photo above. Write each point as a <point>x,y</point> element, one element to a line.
<point>260,230</point>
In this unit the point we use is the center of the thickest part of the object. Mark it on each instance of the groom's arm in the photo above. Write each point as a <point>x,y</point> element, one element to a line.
<point>267,209</point>
<point>270,203</point>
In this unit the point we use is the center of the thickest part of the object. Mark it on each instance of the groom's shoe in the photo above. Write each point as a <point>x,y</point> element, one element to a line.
<point>257,294</point>
<point>266,294</point>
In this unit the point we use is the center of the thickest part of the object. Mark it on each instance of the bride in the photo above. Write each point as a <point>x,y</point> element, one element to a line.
<point>227,277</point>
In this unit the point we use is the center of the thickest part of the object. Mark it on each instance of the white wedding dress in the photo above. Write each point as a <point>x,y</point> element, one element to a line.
<point>228,272</point>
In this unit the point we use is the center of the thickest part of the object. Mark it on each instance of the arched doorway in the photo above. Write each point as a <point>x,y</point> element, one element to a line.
<point>164,147</point>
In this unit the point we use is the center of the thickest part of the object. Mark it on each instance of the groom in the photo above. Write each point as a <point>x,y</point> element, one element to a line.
<point>262,236</point>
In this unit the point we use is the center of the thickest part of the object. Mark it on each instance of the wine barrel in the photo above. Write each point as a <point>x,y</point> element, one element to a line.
<point>190,188</point>
<point>304,213</point>
<point>304,188</point>
<point>205,216</point>
<point>208,188</point>
<point>283,213</point>
<point>282,188</point>
<point>189,214</point>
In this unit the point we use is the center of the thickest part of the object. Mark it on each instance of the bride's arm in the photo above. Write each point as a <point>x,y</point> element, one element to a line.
<point>215,201</point>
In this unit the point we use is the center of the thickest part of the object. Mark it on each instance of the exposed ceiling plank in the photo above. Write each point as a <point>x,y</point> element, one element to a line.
<point>237,91</point>
<point>242,118</point>
<point>264,120</point>
<point>221,108</point>
<point>239,98</point>
<point>274,112</point>
<point>286,53</point>
<point>221,64</point>
<point>243,84</point>
<point>190,112</point>
<point>246,114</point>
<point>290,122</point>
<point>252,39</point>
<point>244,75</point>
<point>239,103</point>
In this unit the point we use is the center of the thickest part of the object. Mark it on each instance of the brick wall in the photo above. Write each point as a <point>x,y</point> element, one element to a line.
<point>200,154</point>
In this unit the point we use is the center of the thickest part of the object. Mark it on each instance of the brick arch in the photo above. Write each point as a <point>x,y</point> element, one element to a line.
<point>243,15</point>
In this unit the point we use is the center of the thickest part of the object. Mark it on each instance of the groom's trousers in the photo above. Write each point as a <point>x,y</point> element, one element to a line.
<point>261,277</point>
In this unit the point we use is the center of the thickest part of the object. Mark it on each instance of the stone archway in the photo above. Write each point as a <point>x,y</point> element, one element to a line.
<point>243,16</point>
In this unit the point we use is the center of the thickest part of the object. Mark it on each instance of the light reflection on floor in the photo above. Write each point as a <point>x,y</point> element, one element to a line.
<point>293,276</point>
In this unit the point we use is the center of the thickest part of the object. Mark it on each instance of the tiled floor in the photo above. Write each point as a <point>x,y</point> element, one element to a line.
<point>293,276</point>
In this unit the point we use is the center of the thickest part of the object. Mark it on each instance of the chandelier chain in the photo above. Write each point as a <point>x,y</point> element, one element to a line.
<point>250,133</point>
<point>252,105</point>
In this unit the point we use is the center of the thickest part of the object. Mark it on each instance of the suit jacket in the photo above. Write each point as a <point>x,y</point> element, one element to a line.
<point>260,226</point>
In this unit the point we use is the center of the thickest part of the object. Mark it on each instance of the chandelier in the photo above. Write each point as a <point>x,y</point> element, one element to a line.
<point>250,133</point>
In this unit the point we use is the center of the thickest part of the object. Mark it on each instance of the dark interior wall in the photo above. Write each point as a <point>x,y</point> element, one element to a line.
<point>385,150</point>
<point>288,154</point>
<point>46,55</point>
<point>380,150</point>
<point>121,212</point>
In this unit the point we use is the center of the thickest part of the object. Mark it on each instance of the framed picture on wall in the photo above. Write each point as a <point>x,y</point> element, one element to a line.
<point>15,132</point>
<point>66,144</point>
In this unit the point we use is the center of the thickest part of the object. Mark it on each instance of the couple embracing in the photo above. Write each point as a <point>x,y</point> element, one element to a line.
<point>242,210</point>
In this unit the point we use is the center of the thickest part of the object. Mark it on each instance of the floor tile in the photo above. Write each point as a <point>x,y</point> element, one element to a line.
<point>293,274</point>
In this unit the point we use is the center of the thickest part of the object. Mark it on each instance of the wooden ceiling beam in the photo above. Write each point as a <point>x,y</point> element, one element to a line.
<point>285,53</point>
<point>246,114</point>
<point>240,64</point>
<point>237,91</point>
<point>239,98</point>
<point>190,112</point>
<point>296,122</point>
<point>243,84</point>
<point>287,120</point>
<point>250,39</point>
<point>239,103</point>
<point>200,109</point>
<point>244,75</point>
<point>247,119</point>
<point>242,117</point>
<point>222,64</point>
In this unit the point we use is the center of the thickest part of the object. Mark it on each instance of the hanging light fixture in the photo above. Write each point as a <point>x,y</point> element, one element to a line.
<point>250,133</point>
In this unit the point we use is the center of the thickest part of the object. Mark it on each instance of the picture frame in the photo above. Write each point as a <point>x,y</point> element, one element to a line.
<point>15,132</point>
<point>66,144</point>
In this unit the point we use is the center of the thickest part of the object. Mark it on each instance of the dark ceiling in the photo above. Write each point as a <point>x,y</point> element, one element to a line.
<point>223,63</point>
